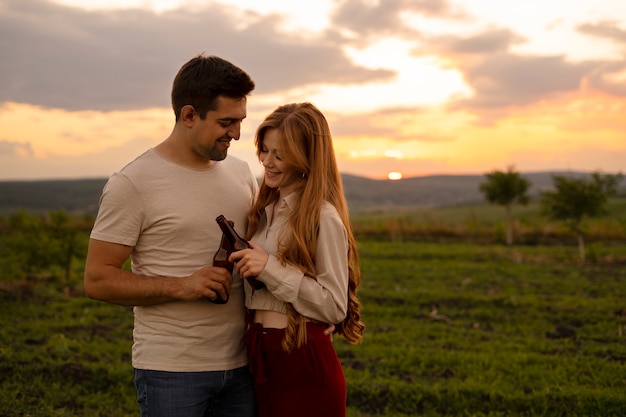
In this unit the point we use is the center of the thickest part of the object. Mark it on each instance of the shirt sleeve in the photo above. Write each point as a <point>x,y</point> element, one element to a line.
<point>120,211</point>
<point>325,296</point>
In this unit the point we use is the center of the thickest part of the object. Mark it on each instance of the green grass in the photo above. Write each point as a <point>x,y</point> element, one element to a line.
<point>62,354</point>
<point>487,331</point>
<point>453,329</point>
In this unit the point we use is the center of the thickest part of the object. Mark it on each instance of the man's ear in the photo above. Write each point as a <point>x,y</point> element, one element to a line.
<point>187,113</point>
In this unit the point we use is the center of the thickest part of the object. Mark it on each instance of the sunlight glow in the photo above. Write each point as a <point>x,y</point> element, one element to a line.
<point>394,154</point>
<point>75,133</point>
<point>418,81</point>
<point>394,176</point>
<point>364,153</point>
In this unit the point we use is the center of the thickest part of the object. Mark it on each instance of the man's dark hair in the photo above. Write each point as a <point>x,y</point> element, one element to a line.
<point>202,79</point>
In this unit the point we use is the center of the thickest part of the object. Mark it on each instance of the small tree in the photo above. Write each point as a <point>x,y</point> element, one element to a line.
<point>506,189</point>
<point>577,198</point>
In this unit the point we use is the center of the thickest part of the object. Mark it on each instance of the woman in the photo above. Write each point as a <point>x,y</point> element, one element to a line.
<point>303,250</point>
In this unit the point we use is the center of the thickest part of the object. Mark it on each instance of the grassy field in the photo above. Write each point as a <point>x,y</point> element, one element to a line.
<point>453,329</point>
<point>475,330</point>
<point>485,224</point>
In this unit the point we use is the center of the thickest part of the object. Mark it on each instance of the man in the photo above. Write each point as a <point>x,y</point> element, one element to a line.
<point>160,211</point>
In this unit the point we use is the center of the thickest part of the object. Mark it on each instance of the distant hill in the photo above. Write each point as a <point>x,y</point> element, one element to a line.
<point>363,194</point>
<point>430,191</point>
<point>73,196</point>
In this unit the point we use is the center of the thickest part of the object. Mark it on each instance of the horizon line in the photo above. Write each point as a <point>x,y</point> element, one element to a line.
<point>546,171</point>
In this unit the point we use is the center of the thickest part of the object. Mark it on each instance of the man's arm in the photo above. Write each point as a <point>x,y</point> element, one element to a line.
<point>105,280</point>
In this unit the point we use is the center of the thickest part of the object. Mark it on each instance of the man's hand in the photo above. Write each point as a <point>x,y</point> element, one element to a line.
<point>106,280</point>
<point>208,282</point>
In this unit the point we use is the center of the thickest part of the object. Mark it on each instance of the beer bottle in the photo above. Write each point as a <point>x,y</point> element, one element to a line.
<point>236,243</point>
<point>221,259</point>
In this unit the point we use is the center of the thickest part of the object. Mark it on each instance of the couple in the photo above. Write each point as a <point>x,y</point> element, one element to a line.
<point>195,358</point>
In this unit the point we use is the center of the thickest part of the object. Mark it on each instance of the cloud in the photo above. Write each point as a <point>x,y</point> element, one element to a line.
<point>385,17</point>
<point>75,59</point>
<point>360,23</point>
<point>13,149</point>
<point>357,125</point>
<point>512,80</point>
<point>501,78</point>
<point>64,57</point>
<point>609,76</point>
<point>607,29</point>
<point>486,42</point>
<point>403,124</point>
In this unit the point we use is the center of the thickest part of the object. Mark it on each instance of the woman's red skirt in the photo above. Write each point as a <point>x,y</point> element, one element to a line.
<point>308,381</point>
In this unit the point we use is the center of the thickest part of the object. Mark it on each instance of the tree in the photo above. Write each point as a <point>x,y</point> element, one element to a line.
<point>506,189</point>
<point>576,198</point>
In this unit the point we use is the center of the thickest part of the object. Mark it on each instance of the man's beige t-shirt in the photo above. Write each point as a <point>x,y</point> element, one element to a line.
<point>167,213</point>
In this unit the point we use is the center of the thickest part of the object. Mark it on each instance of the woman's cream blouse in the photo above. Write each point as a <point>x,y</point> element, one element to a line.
<point>323,297</point>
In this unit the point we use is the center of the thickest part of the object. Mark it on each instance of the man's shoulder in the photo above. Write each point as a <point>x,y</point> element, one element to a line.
<point>233,160</point>
<point>236,164</point>
<point>148,157</point>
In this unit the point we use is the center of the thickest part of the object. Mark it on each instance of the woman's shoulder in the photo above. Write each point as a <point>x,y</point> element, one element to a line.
<point>329,214</point>
<point>328,208</point>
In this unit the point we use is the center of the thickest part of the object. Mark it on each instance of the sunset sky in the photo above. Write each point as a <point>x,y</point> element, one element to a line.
<point>416,87</point>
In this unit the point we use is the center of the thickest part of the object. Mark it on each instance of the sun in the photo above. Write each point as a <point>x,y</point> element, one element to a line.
<point>394,175</point>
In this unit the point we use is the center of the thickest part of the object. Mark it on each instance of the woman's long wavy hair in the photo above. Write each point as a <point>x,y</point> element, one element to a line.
<point>307,147</point>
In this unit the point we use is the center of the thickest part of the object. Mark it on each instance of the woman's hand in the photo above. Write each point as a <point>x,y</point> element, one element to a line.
<point>250,262</point>
<point>329,331</point>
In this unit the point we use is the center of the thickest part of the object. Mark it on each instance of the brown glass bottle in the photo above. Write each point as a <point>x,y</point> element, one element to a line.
<point>236,243</point>
<point>221,259</point>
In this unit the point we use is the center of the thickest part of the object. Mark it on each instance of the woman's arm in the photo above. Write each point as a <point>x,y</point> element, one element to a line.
<point>323,297</point>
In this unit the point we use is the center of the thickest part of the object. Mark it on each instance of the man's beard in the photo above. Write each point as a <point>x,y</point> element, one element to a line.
<point>215,153</point>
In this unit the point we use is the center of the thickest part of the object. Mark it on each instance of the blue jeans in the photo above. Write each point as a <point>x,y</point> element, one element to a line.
<point>195,394</point>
